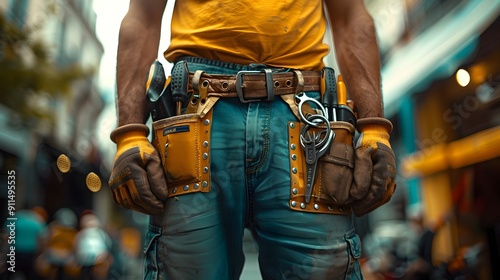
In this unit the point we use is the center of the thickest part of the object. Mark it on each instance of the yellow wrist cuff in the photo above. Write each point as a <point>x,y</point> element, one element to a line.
<point>374,130</point>
<point>124,131</point>
<point>129,136</point>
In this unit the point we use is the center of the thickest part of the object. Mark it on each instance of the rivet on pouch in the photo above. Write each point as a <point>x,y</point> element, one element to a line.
<point>205,144</point>
<point>303,205</point>
<point>316,206</point>
<point>204,184</point>
<point>207,122</point>
<point>196,186</point>
<point>174,190</point>
<point>294,203</point>
<point>186,187</point>
<point>205,155</point>
<point>292,125</point>
<point>205,169</point>
<point>293,147</point>
<point>295,191</point>
<point>294,170</point>
<point>294,157</point>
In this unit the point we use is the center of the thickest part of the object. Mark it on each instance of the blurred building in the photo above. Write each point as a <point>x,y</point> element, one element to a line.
<point>446,122</point>
<point>68,29</point>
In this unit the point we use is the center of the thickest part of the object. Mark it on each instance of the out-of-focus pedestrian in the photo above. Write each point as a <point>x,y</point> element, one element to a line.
<point>93,246</point>
<point>31,228</point>
<point>57,261</point>
<point>127,254</point>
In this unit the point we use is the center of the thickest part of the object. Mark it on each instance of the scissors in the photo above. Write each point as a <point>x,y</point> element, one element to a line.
<point>315,145</point>
<point>303,99</point>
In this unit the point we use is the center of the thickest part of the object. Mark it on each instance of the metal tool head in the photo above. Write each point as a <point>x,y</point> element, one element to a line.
<point>315,144</point>
<point>320,138</point>
<point>301,99</point>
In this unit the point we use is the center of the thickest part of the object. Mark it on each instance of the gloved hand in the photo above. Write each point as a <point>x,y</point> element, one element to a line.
<point>374,166</point>
<point>137,180</point>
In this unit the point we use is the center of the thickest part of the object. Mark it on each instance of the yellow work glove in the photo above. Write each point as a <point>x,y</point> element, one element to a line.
<point>374,166</point>
<point>137,180</point>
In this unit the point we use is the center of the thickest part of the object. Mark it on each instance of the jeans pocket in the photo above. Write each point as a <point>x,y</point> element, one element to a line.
<point>354,250</point>
<point>151,265</point>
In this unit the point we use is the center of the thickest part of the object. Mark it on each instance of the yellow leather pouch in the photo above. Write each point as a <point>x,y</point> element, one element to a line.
<point>183,143</point>
<point>334,171</point>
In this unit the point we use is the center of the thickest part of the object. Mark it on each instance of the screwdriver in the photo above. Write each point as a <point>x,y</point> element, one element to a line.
<point>180,75</point>
<point>342,92</point>
<point>330,93</point>
<point>345,113</point>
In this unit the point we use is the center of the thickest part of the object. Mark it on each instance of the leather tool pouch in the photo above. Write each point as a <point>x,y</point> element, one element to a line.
<point>334,172</point>
<point>183,144</point>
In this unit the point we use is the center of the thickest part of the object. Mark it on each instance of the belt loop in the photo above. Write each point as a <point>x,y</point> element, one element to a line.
<point>269,84</point>
<point>240,84</point>
<point>300,82</point>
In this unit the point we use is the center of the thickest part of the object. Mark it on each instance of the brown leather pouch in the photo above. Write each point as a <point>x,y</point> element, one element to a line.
<point>334,172</point>
<point>183,144</point>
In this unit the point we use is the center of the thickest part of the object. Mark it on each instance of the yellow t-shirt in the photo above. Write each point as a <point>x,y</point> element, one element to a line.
<point>280,33</point>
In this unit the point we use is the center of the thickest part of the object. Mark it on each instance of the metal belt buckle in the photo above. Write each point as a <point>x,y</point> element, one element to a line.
<point>269,85</point>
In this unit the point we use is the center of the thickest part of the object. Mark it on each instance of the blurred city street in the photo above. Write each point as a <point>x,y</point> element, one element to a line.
<point>251,269</point>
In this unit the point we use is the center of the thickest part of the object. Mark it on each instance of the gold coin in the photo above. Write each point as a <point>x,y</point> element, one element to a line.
<point>93,182</point>
<point>63,163</point>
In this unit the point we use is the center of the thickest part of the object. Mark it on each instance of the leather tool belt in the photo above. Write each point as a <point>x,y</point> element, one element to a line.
<point>251,86</point>
<point>187,88</point>
<point>187,135</point>
<point>248,86</point>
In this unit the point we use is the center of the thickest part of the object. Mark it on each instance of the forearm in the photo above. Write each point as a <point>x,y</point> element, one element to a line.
<point>374,174</point>
<point>137,48</point>
<point>358,58</point>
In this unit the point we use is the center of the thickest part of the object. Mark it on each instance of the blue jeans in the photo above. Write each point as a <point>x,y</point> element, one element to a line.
<point>199,236</point>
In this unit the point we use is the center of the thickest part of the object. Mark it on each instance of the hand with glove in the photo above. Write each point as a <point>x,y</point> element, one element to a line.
<point>137,180</point>
<point>374,166</point>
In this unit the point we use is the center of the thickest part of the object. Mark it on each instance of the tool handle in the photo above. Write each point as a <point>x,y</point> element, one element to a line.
<point>344,113</point>
<point>342,91</point>
<point>158,93</point>
<point>180,75</point>
<point>156,80</point>
<point>330,92</point>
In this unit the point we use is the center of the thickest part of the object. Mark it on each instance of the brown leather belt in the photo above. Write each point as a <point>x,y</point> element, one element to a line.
<point>251,86</point>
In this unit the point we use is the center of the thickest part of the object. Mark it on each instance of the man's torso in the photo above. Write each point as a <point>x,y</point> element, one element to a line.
<point>276,33</point>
